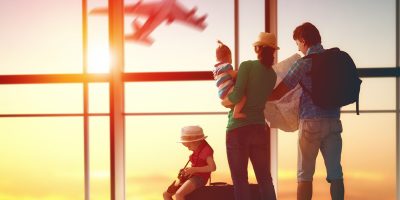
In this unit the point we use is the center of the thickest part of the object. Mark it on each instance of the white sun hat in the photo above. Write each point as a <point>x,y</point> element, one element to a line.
<point>192,134</point>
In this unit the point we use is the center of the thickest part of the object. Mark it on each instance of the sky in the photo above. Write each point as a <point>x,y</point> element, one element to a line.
<point>46,154</point>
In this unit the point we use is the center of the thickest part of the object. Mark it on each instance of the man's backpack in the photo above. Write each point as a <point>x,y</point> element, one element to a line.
<point>334,79</point>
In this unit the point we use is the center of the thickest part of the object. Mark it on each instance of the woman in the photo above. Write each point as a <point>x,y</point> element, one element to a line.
<point>247,137</point>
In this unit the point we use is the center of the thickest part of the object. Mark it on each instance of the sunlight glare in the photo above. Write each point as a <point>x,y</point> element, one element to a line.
<point>98,60</point>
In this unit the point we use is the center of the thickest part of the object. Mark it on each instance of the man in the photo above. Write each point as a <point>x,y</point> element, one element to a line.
<point>319,129</point>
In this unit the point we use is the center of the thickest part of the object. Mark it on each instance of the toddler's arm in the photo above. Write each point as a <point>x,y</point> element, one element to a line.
<point>232,73</point>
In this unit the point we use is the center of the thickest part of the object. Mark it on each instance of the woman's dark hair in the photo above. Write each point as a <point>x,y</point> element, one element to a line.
<point>307,32</point>
<point>266,56</point>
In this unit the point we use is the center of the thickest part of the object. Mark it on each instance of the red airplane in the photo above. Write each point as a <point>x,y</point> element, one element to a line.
<point>156,13</point>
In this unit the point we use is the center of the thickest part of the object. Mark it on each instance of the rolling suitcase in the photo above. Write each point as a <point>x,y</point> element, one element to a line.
<point>220,191</point>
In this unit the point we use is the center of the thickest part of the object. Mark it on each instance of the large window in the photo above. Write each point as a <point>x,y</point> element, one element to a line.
<point>55,135</point>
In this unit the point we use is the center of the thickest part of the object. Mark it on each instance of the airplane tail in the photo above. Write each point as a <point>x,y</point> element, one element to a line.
<point>200,22</point>
<point>132,8</point>
<point>191,12</point>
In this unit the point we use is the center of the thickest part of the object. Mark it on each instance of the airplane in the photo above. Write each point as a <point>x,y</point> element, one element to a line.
<point>156,13</point>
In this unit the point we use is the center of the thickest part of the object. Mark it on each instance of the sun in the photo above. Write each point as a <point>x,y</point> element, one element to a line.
<point>98,60</point>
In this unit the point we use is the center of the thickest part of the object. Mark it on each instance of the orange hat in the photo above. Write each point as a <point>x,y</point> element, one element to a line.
<point>266,39</point>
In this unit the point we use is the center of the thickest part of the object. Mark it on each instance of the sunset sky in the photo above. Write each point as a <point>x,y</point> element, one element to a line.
<point>42,158</point>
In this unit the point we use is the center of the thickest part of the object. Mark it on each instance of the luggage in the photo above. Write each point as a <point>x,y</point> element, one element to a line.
<point>334,79</point>
<point>220,191</point>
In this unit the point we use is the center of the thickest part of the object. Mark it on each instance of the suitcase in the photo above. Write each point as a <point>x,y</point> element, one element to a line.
<point>220,191</point>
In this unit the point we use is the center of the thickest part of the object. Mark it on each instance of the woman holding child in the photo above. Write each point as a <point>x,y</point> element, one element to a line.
<point>246,138</point>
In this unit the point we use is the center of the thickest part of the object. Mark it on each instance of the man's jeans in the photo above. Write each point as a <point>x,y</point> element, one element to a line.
<point>250,142</point>
<point>320,135</point>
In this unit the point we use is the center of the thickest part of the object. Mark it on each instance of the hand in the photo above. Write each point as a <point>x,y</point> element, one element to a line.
<point>189,171</point>
<point>227,103</point>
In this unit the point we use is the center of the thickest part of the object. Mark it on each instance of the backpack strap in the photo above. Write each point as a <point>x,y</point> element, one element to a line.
<point>304,88</point>
<point>357,107</point>
<point>308,73</point>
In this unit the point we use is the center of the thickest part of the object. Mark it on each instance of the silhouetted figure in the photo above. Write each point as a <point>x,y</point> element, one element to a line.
<point>202,164</point>
<point>246,138</point>
<point>320,128</point>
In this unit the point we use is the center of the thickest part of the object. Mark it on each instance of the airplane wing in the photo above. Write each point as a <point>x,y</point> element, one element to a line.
<point>188,16</point>
<point>141,33</point>
<point>142,9</point>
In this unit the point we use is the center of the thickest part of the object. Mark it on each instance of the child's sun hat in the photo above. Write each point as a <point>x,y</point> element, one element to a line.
<point>191,134</point>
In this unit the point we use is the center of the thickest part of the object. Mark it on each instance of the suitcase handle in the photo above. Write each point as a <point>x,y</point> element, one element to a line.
<point>218,184</point>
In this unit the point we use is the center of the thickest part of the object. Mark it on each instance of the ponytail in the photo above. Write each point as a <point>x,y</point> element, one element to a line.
<point>266,56</point>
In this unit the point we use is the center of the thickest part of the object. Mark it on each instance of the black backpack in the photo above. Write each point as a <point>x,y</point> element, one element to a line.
<point>334,79</point>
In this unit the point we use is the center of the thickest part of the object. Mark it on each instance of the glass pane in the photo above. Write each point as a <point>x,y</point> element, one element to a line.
<point>368,160</point>
<point>178,46</point>
<point>362,27</point>
<point>41,158</point>
<point>41,98</point>
<point>99,100</point>
<point>98,44</point>
<point>376,94</point>
<point>153,156</point>
<point>41,37</point>
<point>189,96</point>
<point>99,130</point>
<point>251,23</point>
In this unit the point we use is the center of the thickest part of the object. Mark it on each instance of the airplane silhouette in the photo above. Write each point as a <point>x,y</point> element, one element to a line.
<point>156,13</point>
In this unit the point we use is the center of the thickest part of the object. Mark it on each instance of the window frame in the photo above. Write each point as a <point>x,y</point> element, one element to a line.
<point>85,78</point>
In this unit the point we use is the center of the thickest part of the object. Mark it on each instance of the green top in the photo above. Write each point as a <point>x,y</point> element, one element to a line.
<point>256,82</point>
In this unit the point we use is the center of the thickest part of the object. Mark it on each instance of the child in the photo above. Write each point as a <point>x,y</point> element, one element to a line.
<point>225,75</point>
<point>202,162</point>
